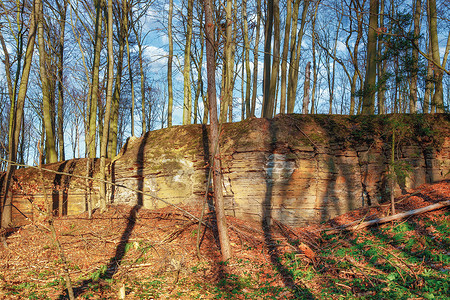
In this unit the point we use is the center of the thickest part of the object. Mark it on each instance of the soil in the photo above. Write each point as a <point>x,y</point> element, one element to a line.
<point>149,254</point>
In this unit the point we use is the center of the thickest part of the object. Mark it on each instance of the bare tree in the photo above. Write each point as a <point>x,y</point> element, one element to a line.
<point>214,132</point>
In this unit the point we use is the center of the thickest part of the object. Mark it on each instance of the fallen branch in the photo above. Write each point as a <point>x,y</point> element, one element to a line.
<point>390,218</point>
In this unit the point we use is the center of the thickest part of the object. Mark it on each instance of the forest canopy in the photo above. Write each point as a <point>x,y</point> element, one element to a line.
<point>333,57</point>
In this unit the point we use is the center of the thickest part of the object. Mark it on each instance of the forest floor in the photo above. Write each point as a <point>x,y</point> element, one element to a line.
<point>146,254</point>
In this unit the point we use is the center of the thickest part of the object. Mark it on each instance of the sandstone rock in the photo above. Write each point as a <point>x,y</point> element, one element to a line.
<point>296,169</point>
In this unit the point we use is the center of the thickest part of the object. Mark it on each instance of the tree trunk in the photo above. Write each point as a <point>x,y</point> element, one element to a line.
<point>438,97</point>
<point>142,77</point>
<point>354,55</point>
<point>267,60</point>
<point>248,71</point>
<point>381,67</point>
<point>169,66</point>
<point>295,54</point>
<point>62,27</point>
<point>276,59</point>
<point>284,56</point>
<point>130,69</point>
<point>109,89</point>
<point>315,69</point>
<point>371,69</point>
<point>255,58</point>
<point>17,117</point>
<point>51,155</point>
<point>214,134</point>
<point>187,107</point>
<point>306,88</point>
<point>333,73</point>
<point>114,123</point>
<point>94,97</point>
<point>415,57</point>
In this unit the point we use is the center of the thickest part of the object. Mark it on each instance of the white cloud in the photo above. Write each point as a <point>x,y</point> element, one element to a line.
<point>157,57</point>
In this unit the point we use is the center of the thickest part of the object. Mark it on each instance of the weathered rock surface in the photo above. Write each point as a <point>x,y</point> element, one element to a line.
<point>295,168</point>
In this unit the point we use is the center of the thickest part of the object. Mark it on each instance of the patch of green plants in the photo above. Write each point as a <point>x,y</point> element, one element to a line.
<point>389,262</point>
<point>38,295</point>
<point>148,288</point>
<point>55,282</point>
<point>97,274</point>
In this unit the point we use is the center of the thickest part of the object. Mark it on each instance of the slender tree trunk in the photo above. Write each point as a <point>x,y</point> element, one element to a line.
<point>142,77</point>
<point>95,92</point>
<point>284,56</point>
<point>198,66</point>
<point>306,88</point>
<point>7,63</point>
<point>354,56</point>
<point>214,134</point>
<point>438,97</point>
<point>231,71</point>
<point>296,43</point>
<point>169,66</point>
<point>62,27</point>
<point>381,67</point>
<point>109,89</point>
<point>228,67</point>
<point>371,69</point>
<point>114,123</point>
<point>276,58</point>
<point>315,69</point>
<point>333,73</point>
<point>130,69</point>
<point>267,59</point>
<point>51,155</point>
<point>255,57</point>
<point>187,107</point>
<point>415,57</point>
<point>246,60</point>
<point>16,118</point>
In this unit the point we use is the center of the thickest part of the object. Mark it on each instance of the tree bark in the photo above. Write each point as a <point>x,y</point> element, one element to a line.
<point>381,67</point>
<point>16,118</point>
<point>267,59</point>
<point>306,87</point>
<point>276,58</point>
<point>284,56</point>
<point>114,123</point>
<point>126,10</point>
<point>51,155</point>
<point>415,57</point>
<point>142,77</point>
<point>187,107</point>
<point>255,57</point>
<point>227,64</point>
<point>368,107</point>
<point>214,134</point>
<point>62,27</point>
<point>109,89</point>
<point>169,65</point>
<point>248,71</point>
<point>94,97</point>
<point>295,54</point>
<point>438,97</point>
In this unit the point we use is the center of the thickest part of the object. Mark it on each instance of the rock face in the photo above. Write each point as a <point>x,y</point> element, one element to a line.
<point>296,169</point>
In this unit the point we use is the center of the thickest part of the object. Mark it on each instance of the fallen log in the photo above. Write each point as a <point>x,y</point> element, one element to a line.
<point>363,224</point>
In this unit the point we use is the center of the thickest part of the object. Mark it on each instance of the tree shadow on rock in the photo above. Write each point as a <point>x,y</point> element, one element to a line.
<point>287,275</point>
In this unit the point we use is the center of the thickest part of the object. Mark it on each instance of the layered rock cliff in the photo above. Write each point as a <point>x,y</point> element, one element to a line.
<point>294,168</point>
